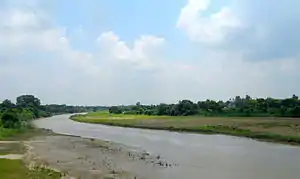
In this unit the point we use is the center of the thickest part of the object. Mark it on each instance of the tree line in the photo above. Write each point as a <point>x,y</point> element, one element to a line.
<point>237,106</point>
<point>28,107</point>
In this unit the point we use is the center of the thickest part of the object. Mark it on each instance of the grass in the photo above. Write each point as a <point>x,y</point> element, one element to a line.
<point>107,115</point>
<point>283,130</point>
<point>6,133</point>
<point>15,169</point>
<point>20,134</point>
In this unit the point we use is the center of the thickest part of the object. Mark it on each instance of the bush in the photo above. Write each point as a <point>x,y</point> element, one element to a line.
<point>16,118</point>
<point>10,119</point>
<point>115,110</point>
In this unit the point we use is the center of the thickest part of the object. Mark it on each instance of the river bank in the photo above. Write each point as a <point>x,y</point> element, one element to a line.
<point>192,155</point>
<point>89,158</point>
<point>44,154</point>
<point>12,153</point>
<point>280,130</point>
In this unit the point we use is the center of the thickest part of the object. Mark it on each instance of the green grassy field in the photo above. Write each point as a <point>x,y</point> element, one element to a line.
<point>15,169</point>
<point>19,134</point>
<point>284,130</point>
<point>5,133</point>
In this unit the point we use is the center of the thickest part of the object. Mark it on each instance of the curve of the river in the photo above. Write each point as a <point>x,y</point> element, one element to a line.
<point>197,155</point>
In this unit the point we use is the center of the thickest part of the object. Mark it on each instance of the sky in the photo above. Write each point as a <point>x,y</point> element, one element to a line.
<point>109,52</point>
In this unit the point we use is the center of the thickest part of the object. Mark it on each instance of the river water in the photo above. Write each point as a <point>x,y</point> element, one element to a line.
<point>198,156</point>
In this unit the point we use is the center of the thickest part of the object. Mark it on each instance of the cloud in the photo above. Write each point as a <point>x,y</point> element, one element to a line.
<point>141,55</point>
<point>260,30</point>
<point>247,46</point>
<point>24,31</point>
<point>36,56</point>
<point>272,31</point>
<point>211,29</point>
<point>240,54</point>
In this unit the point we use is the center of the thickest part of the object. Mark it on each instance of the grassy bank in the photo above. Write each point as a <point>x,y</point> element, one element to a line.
<point>11,143</point>
<point>13,169</point>
<point>19,134</point>
<point>6,133</point>
<point>283,130</point>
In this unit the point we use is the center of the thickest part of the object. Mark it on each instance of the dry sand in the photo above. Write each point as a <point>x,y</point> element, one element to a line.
<point>89,158</point>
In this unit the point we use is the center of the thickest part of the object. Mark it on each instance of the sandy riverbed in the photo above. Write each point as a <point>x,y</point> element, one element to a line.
<point>89,158</point>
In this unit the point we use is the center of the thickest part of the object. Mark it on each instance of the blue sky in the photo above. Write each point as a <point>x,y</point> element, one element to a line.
<point>120,52</point>
<point>128,19</point>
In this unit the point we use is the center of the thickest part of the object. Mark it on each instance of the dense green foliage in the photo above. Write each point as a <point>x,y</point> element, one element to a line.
<point>260,107</point>
<point>62,109</point>
<point>29,107</point>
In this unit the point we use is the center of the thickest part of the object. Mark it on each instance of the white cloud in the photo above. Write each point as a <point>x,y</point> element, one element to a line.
<point>17,18</point>
<point>37,57</point>
<point>260,57</point>
<point>24,28</point>
<point>141,55</point>
<point>211,29</point>
<point>24,31</point>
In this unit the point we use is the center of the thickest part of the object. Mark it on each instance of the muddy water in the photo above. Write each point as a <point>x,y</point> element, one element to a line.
<point>198,156</point>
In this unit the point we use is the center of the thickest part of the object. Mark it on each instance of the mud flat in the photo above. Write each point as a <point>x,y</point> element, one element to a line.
<point>90,158</point>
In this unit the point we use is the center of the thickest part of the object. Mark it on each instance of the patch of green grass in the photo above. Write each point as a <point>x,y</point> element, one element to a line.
<point>284,130</point>
<point>15,169</point>
<point>5,133</point>
<point>101,116</point>
<point>107,115</point>
<point>230,130</point>
<point>19,134</point>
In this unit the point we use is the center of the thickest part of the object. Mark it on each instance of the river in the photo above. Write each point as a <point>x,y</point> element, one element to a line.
<point>198,156</point>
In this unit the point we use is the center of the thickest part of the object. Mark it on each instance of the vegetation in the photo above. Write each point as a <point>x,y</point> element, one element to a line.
<point>6,133</point>
<point>284,130</point>
<point>13,169</point>
<point>241,107</point>
<point>15,125</point>
<point>15,118</point>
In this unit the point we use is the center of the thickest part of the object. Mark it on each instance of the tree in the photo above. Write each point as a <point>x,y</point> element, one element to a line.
<point>296,111</point>
<point>10,119</point>
<point>29,102</point>
<point>162,109</point>
<point>186,107</point>
<point>115,110</point>
<point>7,104</point>
<point>238,102</point>
<point>289,102</point>
<point>237,106</point>
<point>248,98</point>
<point>295,97</point>
<point>262,105</point>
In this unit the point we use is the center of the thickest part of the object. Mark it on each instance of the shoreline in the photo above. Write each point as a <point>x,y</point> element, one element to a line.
<point>13,154</point>
<point>92,158</point>
<point>208,130</point>
<point>60,155</point>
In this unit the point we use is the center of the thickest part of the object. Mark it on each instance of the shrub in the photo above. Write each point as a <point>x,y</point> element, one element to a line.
<point>10,119</point>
